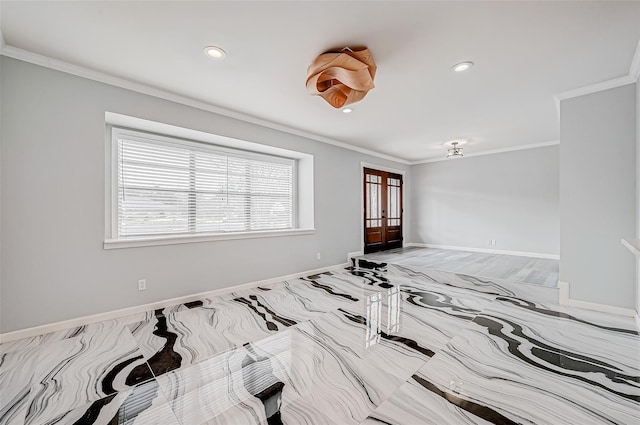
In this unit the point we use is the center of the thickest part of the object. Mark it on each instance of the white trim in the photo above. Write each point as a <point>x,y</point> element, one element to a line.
<point>139,129</point>
<point>557,102</point>
<point>111,179</point>
<point>634,72</point>
<point>492,151</point>
<point>364,165</point>
<point>632,245</point>
<point>58,65</point>
<point>102,77</point>
<point>630,78</point>
<point>565,299</point>
<point>115,314</point>
<point>135,125</point>
<point>594,88</point>
<point>488,251</point>
<point>180,239</point>
<point>355,254</point>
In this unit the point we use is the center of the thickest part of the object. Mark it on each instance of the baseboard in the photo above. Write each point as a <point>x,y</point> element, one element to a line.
<point>638,319</point>
<point>115,314</point>
<point>565,299</point>
<point>351,255</point>
<point>485,250</point>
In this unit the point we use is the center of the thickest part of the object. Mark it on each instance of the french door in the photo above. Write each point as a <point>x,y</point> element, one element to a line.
<point>382,210</point>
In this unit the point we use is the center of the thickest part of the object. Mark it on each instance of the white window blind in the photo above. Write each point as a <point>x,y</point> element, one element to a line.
<point>178,187</point>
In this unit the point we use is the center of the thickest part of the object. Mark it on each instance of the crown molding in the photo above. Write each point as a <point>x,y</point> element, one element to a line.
<point>594,88</point>
<point>634,72</point>
<point>91,74</point>
<point>492,151</point>
<point>630,78</point>
<point>55,64</point>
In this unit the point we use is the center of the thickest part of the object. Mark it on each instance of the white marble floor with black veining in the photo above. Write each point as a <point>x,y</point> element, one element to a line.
<point>370,344</point>
<point>535,271</point>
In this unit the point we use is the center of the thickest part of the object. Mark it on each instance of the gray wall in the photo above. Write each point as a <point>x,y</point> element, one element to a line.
<point>511,197</point>
<point>598,195</point>
<point>53,158</point>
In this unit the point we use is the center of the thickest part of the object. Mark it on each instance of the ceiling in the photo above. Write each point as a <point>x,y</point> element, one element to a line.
<point>524,54</point>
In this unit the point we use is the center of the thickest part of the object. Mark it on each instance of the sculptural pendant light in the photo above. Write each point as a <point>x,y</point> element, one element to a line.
<point>342,77</point>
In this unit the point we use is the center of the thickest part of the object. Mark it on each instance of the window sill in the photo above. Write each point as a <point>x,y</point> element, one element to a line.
<point>180,239</point>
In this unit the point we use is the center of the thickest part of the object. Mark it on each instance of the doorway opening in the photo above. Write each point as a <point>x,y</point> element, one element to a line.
<point>382,210</point>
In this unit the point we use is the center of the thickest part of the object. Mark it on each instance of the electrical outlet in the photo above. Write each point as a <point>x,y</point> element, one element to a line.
<point>317,256</point>
<point>488,241</point>
<point>142,285</point>
<point>493,242</point>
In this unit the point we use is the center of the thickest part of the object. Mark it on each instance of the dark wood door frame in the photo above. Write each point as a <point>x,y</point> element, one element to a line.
<point>382,229</point>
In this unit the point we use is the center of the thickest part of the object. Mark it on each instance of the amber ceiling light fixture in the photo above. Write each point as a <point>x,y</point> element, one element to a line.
<point>342,77</point>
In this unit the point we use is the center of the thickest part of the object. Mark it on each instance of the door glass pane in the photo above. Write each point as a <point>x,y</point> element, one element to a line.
<point>392,190</point>
<point>374,201</point>
<point>379,200</point>
<point>368,207</point>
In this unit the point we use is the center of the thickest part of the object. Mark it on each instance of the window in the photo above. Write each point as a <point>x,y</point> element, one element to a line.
<point>166,187</point>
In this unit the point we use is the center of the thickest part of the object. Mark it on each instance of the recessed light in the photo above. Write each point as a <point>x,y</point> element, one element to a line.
<point>462,66</point>
<point>347,110</point>
<point>214,52</point>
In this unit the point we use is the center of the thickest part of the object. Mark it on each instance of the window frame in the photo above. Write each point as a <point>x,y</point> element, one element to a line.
<point>115,132</point>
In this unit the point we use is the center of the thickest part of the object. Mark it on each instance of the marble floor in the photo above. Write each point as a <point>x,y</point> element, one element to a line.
<point>535,271</point>
<point>372,344</point>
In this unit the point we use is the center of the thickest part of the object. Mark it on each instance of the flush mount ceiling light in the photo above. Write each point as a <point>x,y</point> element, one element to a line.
<point>455,151</point>
<point>214,52</point>
<point>342,77</point>
<point>462,66</point>
<point>347,110</point>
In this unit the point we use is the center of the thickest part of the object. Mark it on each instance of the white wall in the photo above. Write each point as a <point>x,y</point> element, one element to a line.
<point>638,192</point>
<point>511,197</point>
<point>53,263</point>
<point>598,195</point>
